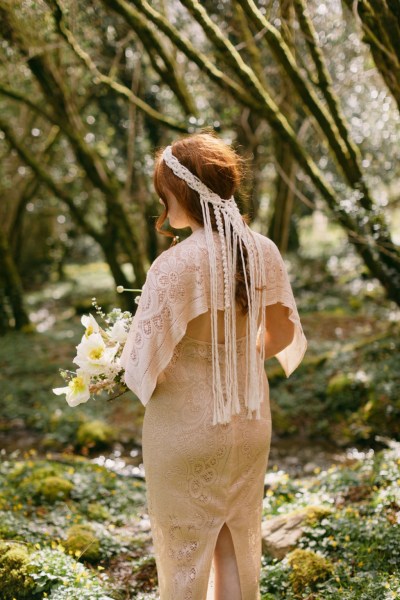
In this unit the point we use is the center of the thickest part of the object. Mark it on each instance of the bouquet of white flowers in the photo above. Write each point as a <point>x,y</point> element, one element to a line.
<point>98,356</point>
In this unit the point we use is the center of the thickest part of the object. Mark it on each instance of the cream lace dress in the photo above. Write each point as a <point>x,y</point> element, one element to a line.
<point>199,476</point>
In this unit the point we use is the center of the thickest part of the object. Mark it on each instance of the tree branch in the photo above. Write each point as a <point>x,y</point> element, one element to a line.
<point>325,82</point>
<point>99,77</point>
<point>199,58</point>
<point>349,166</point>
<point>42,174</point>
<point>10,93</point>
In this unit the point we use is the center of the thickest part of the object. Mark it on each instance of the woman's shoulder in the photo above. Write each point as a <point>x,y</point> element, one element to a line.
<point>193,251</point>
<point>263,238</point>
<point>183,256</point>
<point>266,243</point>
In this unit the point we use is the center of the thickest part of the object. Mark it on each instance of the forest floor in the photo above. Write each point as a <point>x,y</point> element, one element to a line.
<point>73,520</point>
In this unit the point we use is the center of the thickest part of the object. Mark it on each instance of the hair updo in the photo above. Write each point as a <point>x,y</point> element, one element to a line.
<point>220,168</point>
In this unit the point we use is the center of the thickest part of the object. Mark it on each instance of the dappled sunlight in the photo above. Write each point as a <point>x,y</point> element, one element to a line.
<point>307,93</point>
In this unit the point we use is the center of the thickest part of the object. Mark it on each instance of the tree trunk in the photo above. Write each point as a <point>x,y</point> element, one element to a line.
<point>282,228</point>
<point>282,222</point>
<point>11,288</point>
<point>380,22</point>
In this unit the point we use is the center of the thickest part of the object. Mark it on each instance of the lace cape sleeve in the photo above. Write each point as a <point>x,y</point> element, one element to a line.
<point>176,291</point>
<point>280,290</point>
<point>173,294</point>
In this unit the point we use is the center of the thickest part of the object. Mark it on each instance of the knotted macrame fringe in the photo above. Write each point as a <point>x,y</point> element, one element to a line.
<point>234,236</point>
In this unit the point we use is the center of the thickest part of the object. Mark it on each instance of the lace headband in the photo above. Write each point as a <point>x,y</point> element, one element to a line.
<point>228,218</point>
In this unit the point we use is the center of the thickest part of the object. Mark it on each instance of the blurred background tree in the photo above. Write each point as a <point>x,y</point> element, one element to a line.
<point>88,95</point>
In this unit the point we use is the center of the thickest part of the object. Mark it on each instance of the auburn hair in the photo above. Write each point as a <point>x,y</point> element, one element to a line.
<point>221,169</point>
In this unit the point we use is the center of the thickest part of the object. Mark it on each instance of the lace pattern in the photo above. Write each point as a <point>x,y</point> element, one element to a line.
<point>177,289</point>
<point>200,476</point>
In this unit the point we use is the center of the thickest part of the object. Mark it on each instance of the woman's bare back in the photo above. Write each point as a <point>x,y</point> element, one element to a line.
<point>199,328</point>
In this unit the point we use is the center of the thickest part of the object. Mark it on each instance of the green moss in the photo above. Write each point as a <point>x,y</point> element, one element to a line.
<point>54,488</point>
<point>42,482</point>
<point>97,511</point>
<point>308,568</point>
<point>15,580</point>
<point>18,470</point>
<point>46,471</point>
<point>8,531</point>
<point>95,434</point>
<point>33,474</point>
<point>316,514</point>
<point>83,543</point>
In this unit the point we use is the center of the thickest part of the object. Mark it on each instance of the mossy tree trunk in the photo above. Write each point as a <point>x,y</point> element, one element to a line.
<point>68,119</point>
<point>366,227</point>
<point>360,217</point>
<point>106,239</point>
<point>121,235</point>
<point>240,78</point>
<point>63,112</point>
<point>251,129</point>
<point>380,23</point>
<point>282,226</point>
<point>11,291</point>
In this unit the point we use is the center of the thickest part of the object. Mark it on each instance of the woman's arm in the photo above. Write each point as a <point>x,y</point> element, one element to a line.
<point>279,329</point>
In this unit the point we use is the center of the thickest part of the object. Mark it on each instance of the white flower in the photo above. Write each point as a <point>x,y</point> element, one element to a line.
<point>362,376</point>
<point>93,356</point>
<point>91,325</point>
<point>116,367</point>
<point>118,332</point>
<point>77,390</point>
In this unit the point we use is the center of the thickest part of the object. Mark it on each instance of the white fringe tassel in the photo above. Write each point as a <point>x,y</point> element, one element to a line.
<point>234,236</point>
